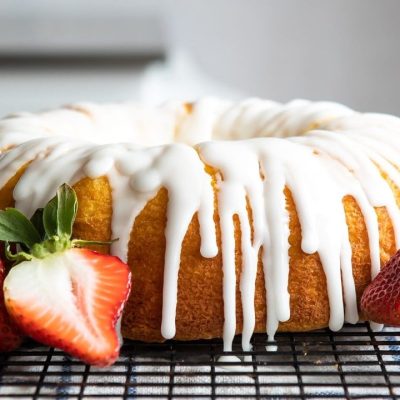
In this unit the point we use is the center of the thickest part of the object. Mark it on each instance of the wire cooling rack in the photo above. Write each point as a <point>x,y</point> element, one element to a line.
<point>353,363</point>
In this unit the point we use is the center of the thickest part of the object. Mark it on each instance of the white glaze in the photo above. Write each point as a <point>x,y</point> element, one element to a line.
<point>320,167</point>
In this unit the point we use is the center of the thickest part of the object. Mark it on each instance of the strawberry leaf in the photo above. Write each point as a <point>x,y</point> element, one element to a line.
<point>67,206</point>
<point>50,217</point>
<point>37,221</point>
<point>49,231</point>
<point>60,212</point>
<point>16,228</point>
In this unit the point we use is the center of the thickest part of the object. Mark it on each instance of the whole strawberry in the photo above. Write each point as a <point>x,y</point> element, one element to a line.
<point>381,299</point>
<point>58,293</point>
<point>10,337</point>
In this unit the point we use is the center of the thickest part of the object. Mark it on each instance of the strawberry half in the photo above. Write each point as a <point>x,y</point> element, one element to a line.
<point>10,337</point>
<point>70,300</point>
<point>61,295</point>
<point>381,299</point>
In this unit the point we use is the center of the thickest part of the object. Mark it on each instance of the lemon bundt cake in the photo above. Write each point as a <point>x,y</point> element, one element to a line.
<point>234,217</point>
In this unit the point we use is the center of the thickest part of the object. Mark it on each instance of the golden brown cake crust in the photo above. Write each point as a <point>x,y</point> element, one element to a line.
<point>200,300</point>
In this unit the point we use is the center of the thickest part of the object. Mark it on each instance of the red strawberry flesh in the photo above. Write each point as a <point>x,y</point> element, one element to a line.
<point>10,337</point>
<point>71,300</point>
<point>381,299</point>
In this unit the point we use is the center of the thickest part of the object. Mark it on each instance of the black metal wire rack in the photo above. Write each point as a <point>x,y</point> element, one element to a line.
<point>353,363</point>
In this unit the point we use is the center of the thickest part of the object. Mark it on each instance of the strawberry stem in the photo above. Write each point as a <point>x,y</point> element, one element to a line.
<point>48,232</point>
<point>18,257</point>
<point>83,243</point>
<point>55,244</point>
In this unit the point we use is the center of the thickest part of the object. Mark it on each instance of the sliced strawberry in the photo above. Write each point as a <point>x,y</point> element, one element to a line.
<point>58,293</point>
<point>10,337</point>
<point>71,300</point>
<point>381,299</point>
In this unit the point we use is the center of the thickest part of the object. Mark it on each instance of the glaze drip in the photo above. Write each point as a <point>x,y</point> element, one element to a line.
<point>316,153</point>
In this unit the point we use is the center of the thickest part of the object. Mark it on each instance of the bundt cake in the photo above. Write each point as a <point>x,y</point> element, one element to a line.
<point>234,217</point>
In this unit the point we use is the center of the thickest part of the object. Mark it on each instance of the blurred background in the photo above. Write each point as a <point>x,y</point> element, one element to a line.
<point>151,50</point>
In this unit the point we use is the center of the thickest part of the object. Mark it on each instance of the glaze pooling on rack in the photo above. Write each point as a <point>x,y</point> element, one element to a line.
<point>318,167</point>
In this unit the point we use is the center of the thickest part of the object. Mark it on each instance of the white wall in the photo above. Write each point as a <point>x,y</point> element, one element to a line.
<point>344,50</point>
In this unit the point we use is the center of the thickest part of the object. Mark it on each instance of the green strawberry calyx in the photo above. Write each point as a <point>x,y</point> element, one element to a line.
<point>49,230</point>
